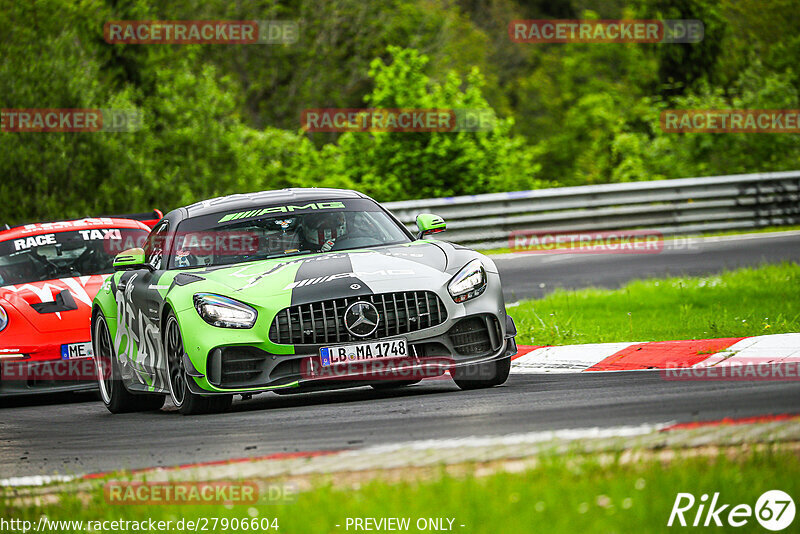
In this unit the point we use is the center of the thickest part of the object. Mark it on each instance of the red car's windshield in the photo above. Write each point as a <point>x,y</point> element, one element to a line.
<point>46,256</point>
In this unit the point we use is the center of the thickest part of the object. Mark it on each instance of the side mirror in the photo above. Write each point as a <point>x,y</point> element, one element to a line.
<point>428,223</point>
<point>130,260</point>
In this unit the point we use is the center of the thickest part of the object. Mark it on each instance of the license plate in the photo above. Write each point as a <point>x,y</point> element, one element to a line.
<point>361,352</point>
<point>74,351</point>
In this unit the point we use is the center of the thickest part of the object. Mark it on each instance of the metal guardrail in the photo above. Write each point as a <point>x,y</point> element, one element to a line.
<point>672,207</point>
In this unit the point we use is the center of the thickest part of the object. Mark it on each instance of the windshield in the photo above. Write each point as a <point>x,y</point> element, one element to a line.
<point>283,230</point>
<point>48,256</point>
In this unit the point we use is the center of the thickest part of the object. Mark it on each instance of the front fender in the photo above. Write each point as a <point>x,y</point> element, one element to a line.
<point>106,303</point>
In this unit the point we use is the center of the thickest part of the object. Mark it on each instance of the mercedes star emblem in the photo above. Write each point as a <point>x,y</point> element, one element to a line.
<point>361,318</point>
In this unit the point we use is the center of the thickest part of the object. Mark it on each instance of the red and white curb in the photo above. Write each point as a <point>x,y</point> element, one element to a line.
<point>699,353</point>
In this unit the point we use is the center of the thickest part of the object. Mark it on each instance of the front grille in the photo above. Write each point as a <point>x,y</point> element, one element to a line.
<point>476,336</point>
<point>323,322</point>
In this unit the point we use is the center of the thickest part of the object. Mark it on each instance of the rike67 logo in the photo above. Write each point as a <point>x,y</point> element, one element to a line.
<point>774,510</point>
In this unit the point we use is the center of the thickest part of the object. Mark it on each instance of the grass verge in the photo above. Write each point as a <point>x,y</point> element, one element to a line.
<point>745,302</point>
<point>568,493</point>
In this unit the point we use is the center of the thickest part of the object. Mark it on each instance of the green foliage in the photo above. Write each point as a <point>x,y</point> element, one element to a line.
<point>413,165</point>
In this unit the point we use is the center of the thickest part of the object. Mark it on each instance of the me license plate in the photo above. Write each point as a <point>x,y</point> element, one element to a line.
<point>360,352</point>
<point>76,350</point>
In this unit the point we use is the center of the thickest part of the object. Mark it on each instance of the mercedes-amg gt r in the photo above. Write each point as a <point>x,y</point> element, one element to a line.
<point>294,291</point>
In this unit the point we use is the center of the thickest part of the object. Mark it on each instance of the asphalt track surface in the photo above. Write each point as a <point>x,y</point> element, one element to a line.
<point>82,437</point>
<point>75,434</point>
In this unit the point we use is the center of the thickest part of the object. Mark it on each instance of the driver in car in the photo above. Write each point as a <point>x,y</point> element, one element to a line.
<point>321,230</point>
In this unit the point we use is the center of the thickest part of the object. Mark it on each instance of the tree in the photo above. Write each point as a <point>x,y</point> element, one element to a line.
<point>399,165</point>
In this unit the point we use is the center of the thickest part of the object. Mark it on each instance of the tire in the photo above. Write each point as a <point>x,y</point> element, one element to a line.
<point>113,393</point>
<point>188,403</point>
<point>483,375</point>
<point>393,384</point>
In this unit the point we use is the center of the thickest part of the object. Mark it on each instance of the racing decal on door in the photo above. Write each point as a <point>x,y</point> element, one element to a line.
<point>137,339</point>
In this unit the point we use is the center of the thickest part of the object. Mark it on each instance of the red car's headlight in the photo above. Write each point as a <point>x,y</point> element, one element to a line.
<point>3,318</point>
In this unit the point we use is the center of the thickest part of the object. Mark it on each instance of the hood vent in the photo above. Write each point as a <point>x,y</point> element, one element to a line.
<point>63,302</point>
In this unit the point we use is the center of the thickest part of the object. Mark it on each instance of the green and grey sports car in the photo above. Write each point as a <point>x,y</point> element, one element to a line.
<point>294,291</point>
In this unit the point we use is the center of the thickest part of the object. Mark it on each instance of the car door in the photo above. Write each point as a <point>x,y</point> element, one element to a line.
<point>145,299</point>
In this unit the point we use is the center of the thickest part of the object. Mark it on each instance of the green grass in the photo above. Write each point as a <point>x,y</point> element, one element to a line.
<point>746,302</point>
<point>562,494</point>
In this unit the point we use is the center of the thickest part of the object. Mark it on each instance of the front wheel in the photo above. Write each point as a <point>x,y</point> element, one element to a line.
<point>113,393</point>
<point>188,403</point>
<point>483,375</point>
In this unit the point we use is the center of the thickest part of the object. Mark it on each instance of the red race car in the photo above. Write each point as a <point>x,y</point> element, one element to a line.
<point>49,274</point>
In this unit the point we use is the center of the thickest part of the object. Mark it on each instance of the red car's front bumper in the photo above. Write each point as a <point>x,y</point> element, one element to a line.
<point>43,369</point>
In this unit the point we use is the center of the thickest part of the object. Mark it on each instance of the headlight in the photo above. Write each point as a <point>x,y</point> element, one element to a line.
<point>3,318</point>
<point>221,311</point>
<point>469,282</point>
